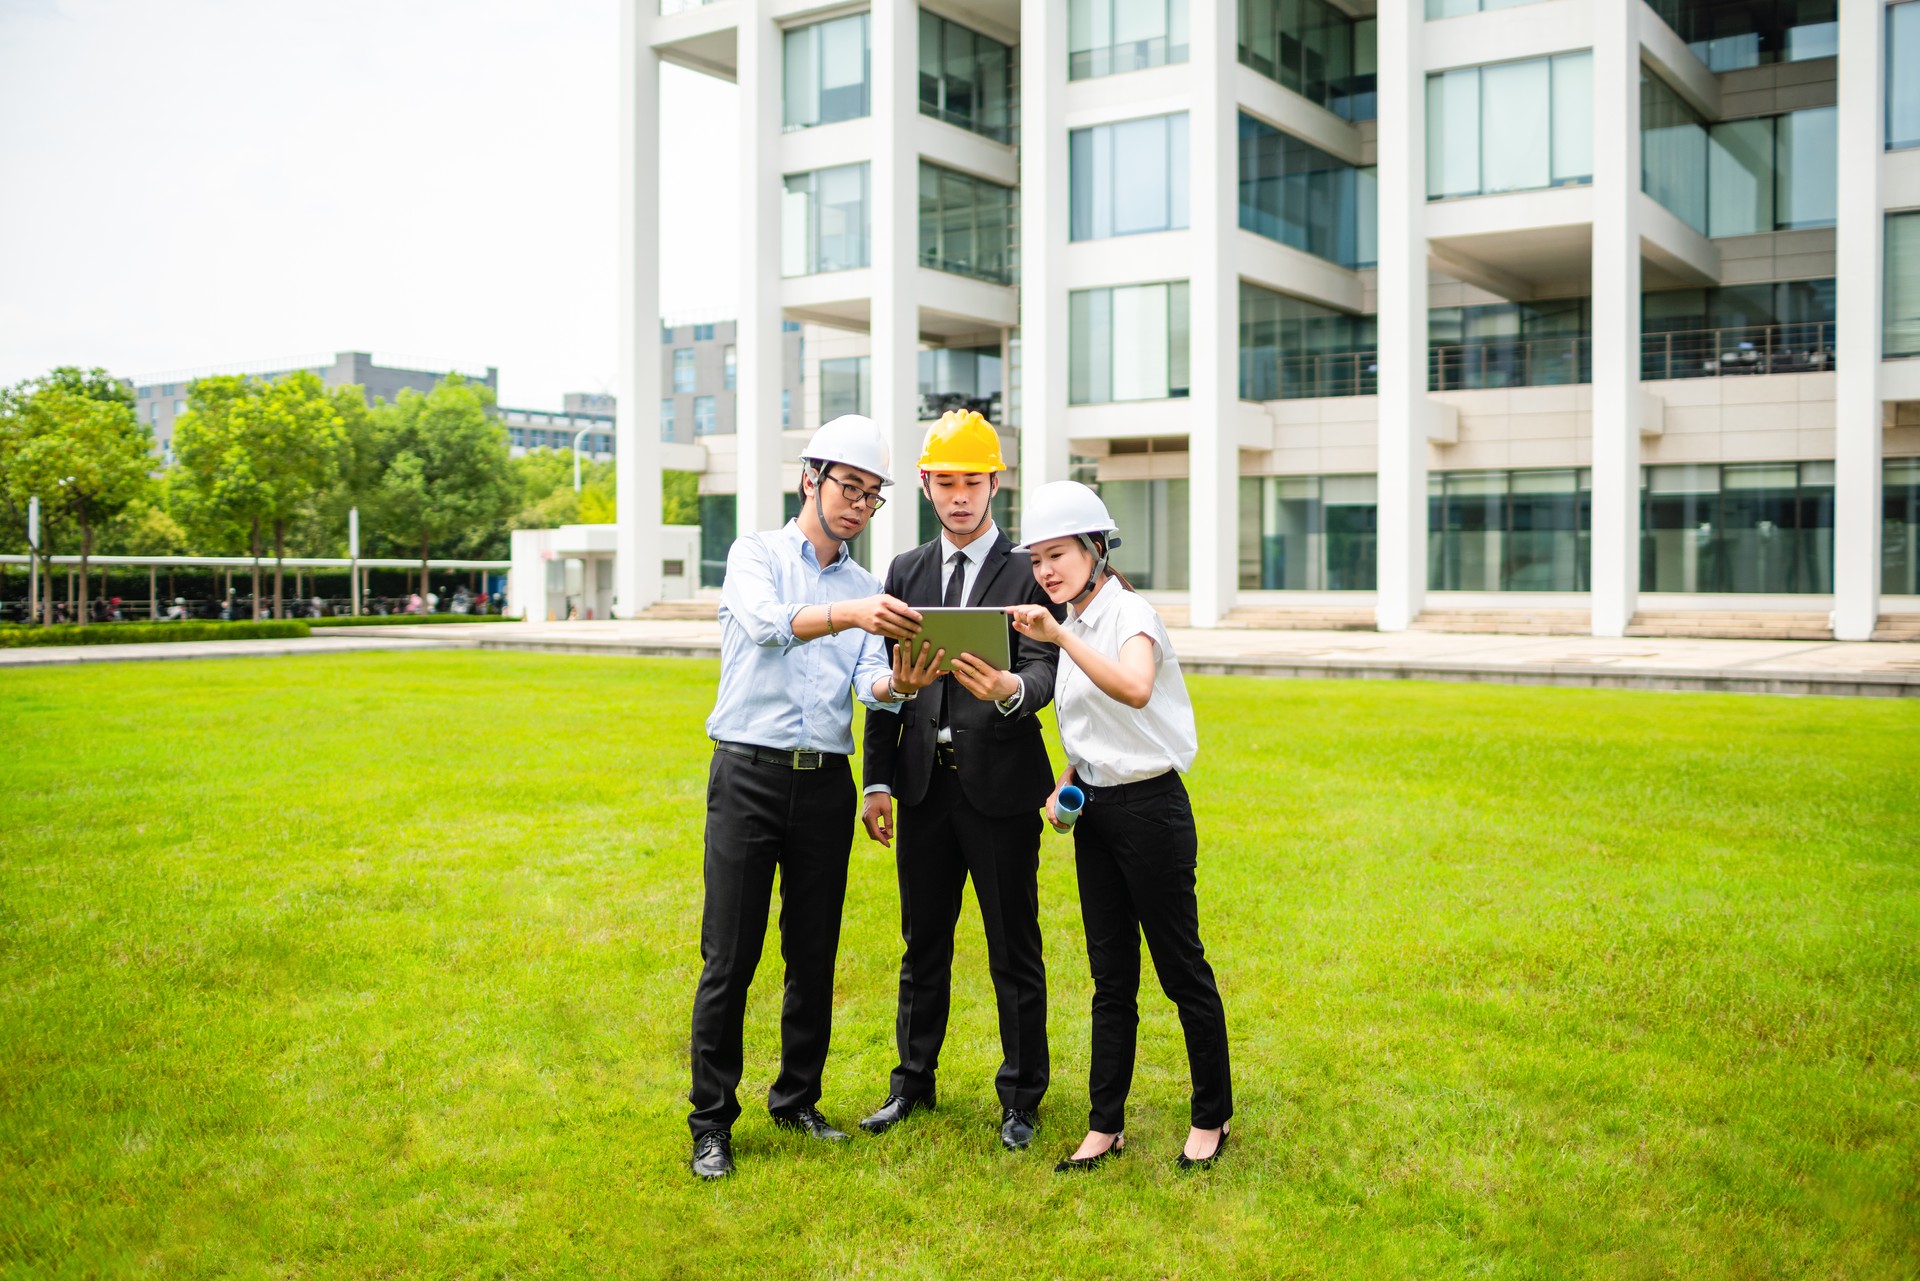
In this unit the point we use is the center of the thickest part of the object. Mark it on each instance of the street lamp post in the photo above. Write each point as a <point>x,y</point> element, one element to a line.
<point>33,559</point>
<point>353,555</point>
<point>577,437</point>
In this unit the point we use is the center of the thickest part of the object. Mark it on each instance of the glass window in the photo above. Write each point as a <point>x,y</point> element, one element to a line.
<point>666,335</point>
<point>703,333</point>
<point>1730,34</point>
<point>683,371</point>
<point>1154,558</point>
<point>1751,527</point>
<point>960,378</point>
<point>1308,533</point>
<point>1291,349</point>
<point>1457,8</point>
<point>1514,113</point>
<point>845,387</point>
<point>1807,153</point>
<point>964,225</point>
<point>1106,37</point>
<point>1128,177</point>
<point>1453,133</point>
<point>1544,343</point>
<point>1902,333</point>
<point>1315,49</point>
<point>826,72</point>
<point>1740,177</point>
<point>666,419</point>
<point>786,408</point>
<point>731,365</point>
<point>705,419</point>
<point>1293,192</point>
<point>1127,343</point>
<point>1900,527</point>
<point>1673,152</point>
<point>1525,531</point>
<point>1903,75</point>
<point>823,221</point>
<point>964,77</point>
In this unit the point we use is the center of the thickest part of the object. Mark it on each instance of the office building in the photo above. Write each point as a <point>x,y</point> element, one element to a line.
<point>1603,312</point>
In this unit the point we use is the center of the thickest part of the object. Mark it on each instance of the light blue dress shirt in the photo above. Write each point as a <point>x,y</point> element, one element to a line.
<point>776,691</point>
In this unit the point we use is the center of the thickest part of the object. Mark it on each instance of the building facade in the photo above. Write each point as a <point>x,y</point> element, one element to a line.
<point>587,417</point>
<point>1604,307</point>
<point>161,400</point>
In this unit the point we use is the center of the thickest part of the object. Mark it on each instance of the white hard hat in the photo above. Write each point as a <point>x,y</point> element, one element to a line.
<point>852,439</point>
<point>1063,509</point>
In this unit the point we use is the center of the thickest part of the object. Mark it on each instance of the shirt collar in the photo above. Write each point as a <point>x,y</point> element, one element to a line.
<point>803,547</point>
<point>1090,613</point>
<point>975,551</point>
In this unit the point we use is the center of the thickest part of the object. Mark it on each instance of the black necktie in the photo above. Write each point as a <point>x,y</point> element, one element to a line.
<point>951,598</point>
<point>956,579</point>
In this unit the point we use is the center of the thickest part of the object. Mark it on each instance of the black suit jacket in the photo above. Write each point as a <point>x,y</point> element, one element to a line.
<point>1002,759</point>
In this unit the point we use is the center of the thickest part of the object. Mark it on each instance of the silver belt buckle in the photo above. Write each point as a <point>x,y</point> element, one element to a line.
<point>806,760</point>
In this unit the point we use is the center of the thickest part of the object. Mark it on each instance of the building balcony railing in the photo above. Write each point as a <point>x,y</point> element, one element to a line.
<point>935,403</point>
<point>1803,348</point>
<point>992,271</point>
<point>668,7</point>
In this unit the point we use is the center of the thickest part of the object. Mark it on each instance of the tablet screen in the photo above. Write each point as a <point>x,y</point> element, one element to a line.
<point>984,633</point>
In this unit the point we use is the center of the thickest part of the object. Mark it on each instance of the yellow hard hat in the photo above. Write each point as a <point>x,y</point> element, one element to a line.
<point>961,441</point>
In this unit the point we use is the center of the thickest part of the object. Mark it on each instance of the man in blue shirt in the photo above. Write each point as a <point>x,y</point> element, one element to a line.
<point>800,622</point>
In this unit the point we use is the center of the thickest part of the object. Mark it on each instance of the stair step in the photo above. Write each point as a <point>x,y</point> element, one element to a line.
<point>1508,622</point>
<point>1731,624</point>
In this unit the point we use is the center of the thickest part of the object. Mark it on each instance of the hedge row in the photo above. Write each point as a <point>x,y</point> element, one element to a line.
<point>409,620</point>
<point>16,637</point>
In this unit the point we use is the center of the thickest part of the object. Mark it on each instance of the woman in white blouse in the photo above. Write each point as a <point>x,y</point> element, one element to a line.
<point>1126,725</point>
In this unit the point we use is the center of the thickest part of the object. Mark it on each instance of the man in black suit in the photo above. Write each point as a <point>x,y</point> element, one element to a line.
<point>965,762</point>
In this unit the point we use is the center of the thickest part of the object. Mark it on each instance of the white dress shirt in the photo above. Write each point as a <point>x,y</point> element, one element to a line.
<point>1107,742</point>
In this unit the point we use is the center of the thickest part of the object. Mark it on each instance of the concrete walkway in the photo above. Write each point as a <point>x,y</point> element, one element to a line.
<point>1857,669</point>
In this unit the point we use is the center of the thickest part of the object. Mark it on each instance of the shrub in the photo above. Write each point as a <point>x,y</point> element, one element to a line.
<point>17,637</point>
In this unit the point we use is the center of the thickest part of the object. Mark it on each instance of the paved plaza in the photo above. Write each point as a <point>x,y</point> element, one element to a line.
<point>1834,668</point>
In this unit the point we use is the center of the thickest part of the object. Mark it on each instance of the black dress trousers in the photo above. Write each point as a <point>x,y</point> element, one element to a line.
<point>761,819</point>
<point>943,841</point>
<point>1135,851</point>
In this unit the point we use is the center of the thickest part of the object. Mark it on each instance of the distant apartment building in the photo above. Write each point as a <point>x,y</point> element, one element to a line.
<point>161,399</point>
<point>584,416</point>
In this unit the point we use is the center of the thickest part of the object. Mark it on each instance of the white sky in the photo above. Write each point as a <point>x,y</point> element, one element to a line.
<point>192,183</point>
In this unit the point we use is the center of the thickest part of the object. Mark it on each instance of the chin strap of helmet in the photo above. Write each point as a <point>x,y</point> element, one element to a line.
<point>817,471</point>
<point>1098,550</point>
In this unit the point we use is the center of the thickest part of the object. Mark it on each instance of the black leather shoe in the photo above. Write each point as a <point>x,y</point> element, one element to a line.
<point>1186,1162</point>
<point>713,1154</point>
<point>896,1109</point>
<point>1016,1129</point>
<point>1075,1164</point>
<point>809,1122</point>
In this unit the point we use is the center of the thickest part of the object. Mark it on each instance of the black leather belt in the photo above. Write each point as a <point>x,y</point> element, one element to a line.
<point>791,760</point>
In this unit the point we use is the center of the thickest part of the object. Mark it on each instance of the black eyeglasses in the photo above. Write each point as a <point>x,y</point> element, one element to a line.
<point>855,494</point>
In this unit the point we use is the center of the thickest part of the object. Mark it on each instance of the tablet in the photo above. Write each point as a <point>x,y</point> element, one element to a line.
<point>987,634</point>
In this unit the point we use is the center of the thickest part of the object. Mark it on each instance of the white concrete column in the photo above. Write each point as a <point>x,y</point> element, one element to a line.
<point>1043,243</point>
<point>1404,409</point>
<point>894,209</point>
<point>1213,316</point>
<point>1617,202</point>
<point>757,336</point>
<point>1858,321</point>
<point>636,574</point>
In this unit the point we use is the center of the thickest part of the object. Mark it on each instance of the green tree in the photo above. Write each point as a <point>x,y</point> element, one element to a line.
<point>72,439</point>
<point>441,476</point>
<point>259,456</point>
<point>680,498</point>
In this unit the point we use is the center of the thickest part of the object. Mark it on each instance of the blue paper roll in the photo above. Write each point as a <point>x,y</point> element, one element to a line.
<point>1067,806</point>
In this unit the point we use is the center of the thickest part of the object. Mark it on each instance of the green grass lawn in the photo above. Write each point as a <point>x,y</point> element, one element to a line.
<point>380,965</point>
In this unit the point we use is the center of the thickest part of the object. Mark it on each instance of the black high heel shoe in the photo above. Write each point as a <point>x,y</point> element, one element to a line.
<point>1098,1159</point>
<point>1186,1162</point>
